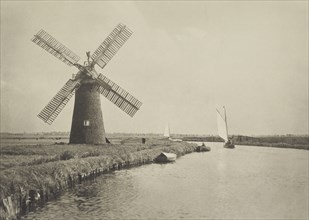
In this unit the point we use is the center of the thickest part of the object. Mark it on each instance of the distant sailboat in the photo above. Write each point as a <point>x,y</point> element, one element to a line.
<point>167,131</point>
<point>222,129</point>
<point>168,135</point>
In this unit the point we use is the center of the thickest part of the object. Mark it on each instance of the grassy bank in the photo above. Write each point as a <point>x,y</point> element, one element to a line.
<point>48,169</point>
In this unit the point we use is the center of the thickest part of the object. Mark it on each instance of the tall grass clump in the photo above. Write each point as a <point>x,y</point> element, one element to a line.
<point>66,155</point>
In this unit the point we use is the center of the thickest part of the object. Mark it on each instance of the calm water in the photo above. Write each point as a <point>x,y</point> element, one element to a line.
<point>243,183</point>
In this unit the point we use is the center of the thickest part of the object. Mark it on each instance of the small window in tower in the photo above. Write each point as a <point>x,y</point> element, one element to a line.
<point>86,123</point>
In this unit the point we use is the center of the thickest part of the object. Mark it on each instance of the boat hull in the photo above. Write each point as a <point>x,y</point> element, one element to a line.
<point>165,158</point>
<point>202,148</point>
<point>228,145</point>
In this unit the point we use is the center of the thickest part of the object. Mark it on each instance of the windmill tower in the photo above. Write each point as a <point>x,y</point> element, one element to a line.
<point>87,122</point>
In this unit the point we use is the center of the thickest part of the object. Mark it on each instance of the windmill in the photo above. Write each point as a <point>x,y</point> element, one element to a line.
<point>87,121</point>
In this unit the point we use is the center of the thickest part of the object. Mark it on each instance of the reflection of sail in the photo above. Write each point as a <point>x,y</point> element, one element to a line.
<point>167,131</point>
<point>221,126</point>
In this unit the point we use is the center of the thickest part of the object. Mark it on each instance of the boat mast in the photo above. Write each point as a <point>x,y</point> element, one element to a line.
<point>225,118</point>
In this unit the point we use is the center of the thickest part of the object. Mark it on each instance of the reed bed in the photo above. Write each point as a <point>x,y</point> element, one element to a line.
<point>49,167</point>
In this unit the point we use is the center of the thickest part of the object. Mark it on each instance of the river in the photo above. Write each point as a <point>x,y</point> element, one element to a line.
<point>242,183</point>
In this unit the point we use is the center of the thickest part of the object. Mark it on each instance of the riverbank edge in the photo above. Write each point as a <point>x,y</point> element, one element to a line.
<point>276,145</point>
<point>256,144</point>
<point>33,186</point>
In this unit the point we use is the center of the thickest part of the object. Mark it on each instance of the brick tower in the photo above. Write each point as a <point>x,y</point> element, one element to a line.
<point>87,122</point>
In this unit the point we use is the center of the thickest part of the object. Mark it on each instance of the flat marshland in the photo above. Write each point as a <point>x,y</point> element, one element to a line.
<point>44,164</point>
<point>279,141</point>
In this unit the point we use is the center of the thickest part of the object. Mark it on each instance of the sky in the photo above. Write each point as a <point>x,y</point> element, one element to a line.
<point>184,60</point>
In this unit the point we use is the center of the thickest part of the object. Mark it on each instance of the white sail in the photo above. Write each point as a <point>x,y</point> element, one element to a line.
<point>221,123</point>
<point>167,131</point>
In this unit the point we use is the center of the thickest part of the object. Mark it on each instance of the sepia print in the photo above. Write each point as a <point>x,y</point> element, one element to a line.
<point>164,110</point>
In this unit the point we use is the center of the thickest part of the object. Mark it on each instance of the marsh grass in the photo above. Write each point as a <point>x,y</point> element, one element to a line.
<point>280,141</point>
<point>45,167</point>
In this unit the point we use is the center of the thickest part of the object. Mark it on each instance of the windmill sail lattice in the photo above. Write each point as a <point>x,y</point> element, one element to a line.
<point>87,122</point>
<point>54,107</point>
<point>51,45</point>
<point>119,96</point>
<point>111,45</point>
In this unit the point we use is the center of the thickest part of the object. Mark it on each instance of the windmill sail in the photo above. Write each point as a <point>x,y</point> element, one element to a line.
<point>167,131</point>
<point>221,123</point>
<point>54,47</point>
<point>55,106</point>
<point>111,45</point>
<point>117,95</point>
<point>87,122</point>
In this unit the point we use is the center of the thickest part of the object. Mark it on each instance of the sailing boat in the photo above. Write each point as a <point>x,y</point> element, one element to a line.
<point>222,129</point>
<point>167,134</point>
<point>167,131</point>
